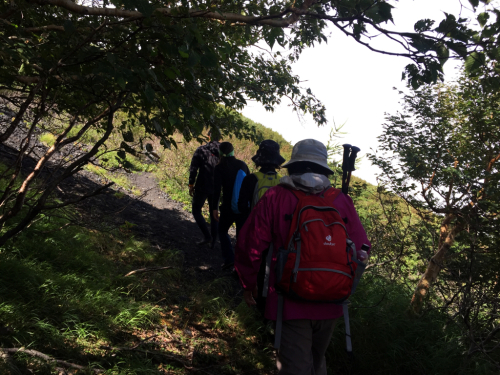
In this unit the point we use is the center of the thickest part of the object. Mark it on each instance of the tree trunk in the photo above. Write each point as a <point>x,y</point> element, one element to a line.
<point>446,240</point>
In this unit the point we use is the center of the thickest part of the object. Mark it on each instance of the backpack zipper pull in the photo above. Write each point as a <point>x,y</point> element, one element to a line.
<point>295,276</point>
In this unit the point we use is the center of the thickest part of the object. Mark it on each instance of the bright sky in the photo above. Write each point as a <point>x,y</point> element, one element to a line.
<point>355,84</point>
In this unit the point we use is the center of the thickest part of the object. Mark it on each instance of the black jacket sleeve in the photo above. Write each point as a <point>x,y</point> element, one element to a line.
<point>195,165</point>
<point>217,186</point>
<point>245,168</point>
<point>246,193</point>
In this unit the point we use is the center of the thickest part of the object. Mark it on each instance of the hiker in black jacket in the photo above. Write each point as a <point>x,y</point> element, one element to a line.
<point>201,187</point>
<point>268,159</point>
<point>224,178</point>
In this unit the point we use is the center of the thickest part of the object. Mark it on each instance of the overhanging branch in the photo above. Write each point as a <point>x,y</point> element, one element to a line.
<point>275,20</point>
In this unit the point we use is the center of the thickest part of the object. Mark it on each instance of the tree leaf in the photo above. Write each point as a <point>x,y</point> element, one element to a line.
<point>483,18</point>
<point>474,61</point>
<point>423,25</point>
<point>128,136</point>
<point>209,59</point>
<point>121,82</point>
<point>150,93</point>
<point>170,73</point>
<point>183,53</point>
<point>173,120</point>
<point>193,59</point>
<point>111,58</point>
<point>68,26</point>
<point>273,35</point>
<point>474,3</point>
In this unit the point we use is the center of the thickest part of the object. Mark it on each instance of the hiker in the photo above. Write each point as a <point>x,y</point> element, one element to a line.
<point>253,187</point>
<point>201,187</point>
<point>225,176</point>
<point>306,326</point>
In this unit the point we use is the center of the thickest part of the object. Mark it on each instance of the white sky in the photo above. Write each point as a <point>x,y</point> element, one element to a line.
<point>355,84</point>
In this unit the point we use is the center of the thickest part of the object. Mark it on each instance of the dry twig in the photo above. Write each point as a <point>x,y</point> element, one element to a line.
<point>150,269</point>
<point>35,353</point>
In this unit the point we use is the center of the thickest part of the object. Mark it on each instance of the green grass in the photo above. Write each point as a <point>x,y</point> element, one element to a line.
<point>63,293</point>
<point>110,160</point>
<point>48,139</point>
<point>387,340</point>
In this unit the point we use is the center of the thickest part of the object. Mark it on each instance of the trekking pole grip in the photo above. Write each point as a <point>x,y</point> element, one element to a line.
<point>345,167</point>
<point>352,158</point>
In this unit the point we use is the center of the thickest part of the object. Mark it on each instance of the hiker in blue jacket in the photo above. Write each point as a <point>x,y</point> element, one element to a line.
<point>225,175</point>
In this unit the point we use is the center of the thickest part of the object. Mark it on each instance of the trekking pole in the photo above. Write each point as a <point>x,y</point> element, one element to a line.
<point>349,159</point>
<point>345,162</point>
<point>352,161</point>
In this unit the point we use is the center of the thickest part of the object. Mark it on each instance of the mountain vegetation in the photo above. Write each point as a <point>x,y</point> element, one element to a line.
<point>441,155</point>
<point>92,92</point>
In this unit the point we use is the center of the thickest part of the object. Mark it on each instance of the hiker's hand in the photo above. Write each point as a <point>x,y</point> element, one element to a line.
<point>215,214</point>
<point>191,190</point>
<point>248,297</point>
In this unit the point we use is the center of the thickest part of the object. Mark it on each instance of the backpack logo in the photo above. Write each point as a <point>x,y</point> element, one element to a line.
<point>328,241</point>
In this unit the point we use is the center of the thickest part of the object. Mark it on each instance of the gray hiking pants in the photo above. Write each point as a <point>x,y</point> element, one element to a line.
<point>303,346</point>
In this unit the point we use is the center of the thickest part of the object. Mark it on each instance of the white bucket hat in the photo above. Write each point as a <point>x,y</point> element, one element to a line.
<point>310,150</point>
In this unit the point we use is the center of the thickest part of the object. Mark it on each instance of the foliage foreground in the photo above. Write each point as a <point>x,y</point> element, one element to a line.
<point>63,293</point>
<point>66,296</point>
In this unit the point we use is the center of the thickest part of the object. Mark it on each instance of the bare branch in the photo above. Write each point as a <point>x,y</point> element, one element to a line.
<point>44,28</point>
<point>150,269</point>
<point>20,114</point>
<point>81,198</point>
<point>274,20</point>
<point>35,353</point>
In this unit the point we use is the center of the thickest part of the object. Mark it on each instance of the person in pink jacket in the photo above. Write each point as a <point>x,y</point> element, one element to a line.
<point>307,326</point>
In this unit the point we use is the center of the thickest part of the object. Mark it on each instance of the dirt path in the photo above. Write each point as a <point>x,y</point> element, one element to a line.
<point>168,224</point>
<point>158,219</point>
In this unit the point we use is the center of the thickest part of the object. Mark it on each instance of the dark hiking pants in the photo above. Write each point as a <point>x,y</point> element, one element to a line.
<point>199,199</point>
<point>228,218</point>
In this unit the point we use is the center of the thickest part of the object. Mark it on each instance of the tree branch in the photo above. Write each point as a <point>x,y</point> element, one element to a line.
<point>22,110</point>
<point>81,198</point>
<point>44,28</point>
<point>270,20</point>
<point>35,353</point>
<point>151,269</point>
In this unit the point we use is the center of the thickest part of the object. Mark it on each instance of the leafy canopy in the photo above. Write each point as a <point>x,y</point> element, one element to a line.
<point>174,64</point>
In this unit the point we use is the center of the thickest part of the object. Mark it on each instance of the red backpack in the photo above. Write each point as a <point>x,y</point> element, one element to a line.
<point>318,263</point>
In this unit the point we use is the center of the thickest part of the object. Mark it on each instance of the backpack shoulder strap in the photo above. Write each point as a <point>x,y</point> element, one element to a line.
<point>331,193</point>
<point>298,193</point>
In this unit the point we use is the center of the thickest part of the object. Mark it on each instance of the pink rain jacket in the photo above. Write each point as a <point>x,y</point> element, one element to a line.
<point>270,221</point>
